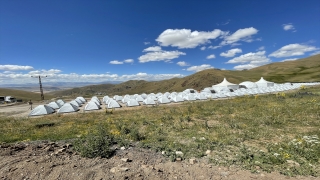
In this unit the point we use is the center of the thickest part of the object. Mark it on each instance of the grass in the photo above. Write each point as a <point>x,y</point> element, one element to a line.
<point>260,133</point>
<point>24,95</point>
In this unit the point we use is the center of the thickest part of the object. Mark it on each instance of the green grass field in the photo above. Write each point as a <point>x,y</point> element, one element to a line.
<point>263,132</point>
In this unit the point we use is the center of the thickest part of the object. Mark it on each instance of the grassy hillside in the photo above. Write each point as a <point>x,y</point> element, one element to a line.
<point>24,95</point>
<point>303,70</point>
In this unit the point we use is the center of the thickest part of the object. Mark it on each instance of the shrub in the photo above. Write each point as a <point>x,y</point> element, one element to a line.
<point>95,144</point>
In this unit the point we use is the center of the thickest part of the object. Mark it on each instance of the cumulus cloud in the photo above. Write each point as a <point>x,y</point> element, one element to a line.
<point>116,62</point>
<point>128,61</point>
<point>292,50</point>
<point>45,72</point>
<point>241,34</point>
<point>250,60</point>
<point>182,63</point>
<point>200,68</point>
<point>292,59</point>
<point>203,48</point>
<point>211,56</point>
<point>19,78</point>
<point>288,27</point>
<point>262,48</point>
<point>231,52</point>
<point>152,49</point>
<point>185,38</point>
<point>146,43</point>
<point>160,56</point>
<point>214,47</point>
<point>15,68</point>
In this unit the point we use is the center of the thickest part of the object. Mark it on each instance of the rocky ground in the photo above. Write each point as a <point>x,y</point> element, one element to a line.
<point>58,160</point>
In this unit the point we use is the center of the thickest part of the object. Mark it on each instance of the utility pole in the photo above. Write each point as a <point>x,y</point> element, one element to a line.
<point>41,90</point>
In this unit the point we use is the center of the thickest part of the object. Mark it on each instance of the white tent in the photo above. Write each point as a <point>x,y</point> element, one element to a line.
<point>139,98</point>
<point>96,99</point>
<point>92,105</point>
<point>149,101</point>
<point>201,97</point>
<point>189,91</point>
<point>248,84</point>
<point>144,95</point>
<point>113,104</point>
<point>117,98</point>
<point>74,102</point>
<point>60,102</point>
<point>227,84</point>
<point>79,101</point>
<point>82,99</point>
<point>41,110</point>
<point>132,102</point>
<point>67,107</point>
<point>189,97</point>
<point>263,83</point>
<point>177,99</point>
<point>208,90</point>
<point>54,105</point>
<point>163,100</point>
<point>125,99</point>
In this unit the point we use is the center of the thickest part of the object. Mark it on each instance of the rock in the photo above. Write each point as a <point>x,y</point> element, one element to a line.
<point>49,148</point>
<point>208,152</point>
<point>125,160</point>
<point>179,153</point>
<point>225,174</point>
<point>113,170</point>
<point>123,169</point>
<point>122,148</point>
<point>178,159</point>
<point>163,152</point>
<point>202,139</point>
<point>192,161</point>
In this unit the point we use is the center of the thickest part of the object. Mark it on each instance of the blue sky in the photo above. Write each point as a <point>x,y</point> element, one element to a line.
<point>81,41</point>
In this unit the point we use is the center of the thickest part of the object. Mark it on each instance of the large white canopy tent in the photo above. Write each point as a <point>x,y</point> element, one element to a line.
<point>226,84</point>
<point>263,83</point>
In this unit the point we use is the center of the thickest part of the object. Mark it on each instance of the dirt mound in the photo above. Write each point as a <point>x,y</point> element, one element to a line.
<point>57,160</point>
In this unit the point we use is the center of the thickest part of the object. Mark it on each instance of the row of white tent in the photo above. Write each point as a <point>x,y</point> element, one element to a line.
<point>214,92</point>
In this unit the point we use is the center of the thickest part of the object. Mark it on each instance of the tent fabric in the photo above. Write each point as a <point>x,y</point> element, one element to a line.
<point>60,102</point>
<point>149,101</point>
<point>67,107</point>
<point>163,100</point>
<point>139,98</point>
<point>54,105</point>
<point>263,83</point>
<point>92,105</point>
<point>113,104</point>
<point>41,110</point>
<point>74,102</point>
<point>227,84</point>
<point>132,102</point>
<point>82,99</point>
<point>248,84</point>
<point>79,101</point>
<point>177,99</point>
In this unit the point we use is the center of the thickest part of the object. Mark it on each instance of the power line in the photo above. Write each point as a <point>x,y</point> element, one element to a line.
<point>41,90</point>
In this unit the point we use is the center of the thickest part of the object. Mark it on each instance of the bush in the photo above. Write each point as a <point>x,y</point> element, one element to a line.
<point>95,144</point>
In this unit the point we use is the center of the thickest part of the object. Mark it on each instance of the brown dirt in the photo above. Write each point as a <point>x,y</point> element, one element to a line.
<point>57,160</point>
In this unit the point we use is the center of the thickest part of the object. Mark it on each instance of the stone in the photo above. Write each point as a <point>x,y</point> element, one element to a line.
<point>125,159</point>
<point>178,159</point>
<point>192,161</point>
<point>224,173</point>
<point>293,163</point>
<point>163,152</point>
<point>208,152</point>
<point>122,148</point>
<point>113,170</point>
<point>123,169</point>
<point>179,153</point>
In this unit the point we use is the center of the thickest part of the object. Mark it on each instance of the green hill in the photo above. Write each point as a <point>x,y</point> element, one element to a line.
<point>303,70</point>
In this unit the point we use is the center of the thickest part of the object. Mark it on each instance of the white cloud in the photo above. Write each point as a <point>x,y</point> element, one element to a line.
<point>292,50</point>
<point>288,27</point>
<point>211,56</point>
<point>152,49</point>
<point>315,53</point>
<point>199,68</point>
<point>146,43</point>
<point>116,62</point>
<point>15,68</point>
<point>252,59</point>
<point>182,63</point>
<point>128,61</point>
<point>292,59</point>
<point>185,38</point>
<point>241,34</point>
<point>20,78</point>
<point>203,48</point>
<point>160,56</point>
<point>262,48</point>
<point>214,47</point>
<point>231,52</point>
<point>45,72</point>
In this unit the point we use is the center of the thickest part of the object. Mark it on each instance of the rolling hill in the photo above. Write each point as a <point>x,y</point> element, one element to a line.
<point>24,95</point>
<point>303,70</point>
